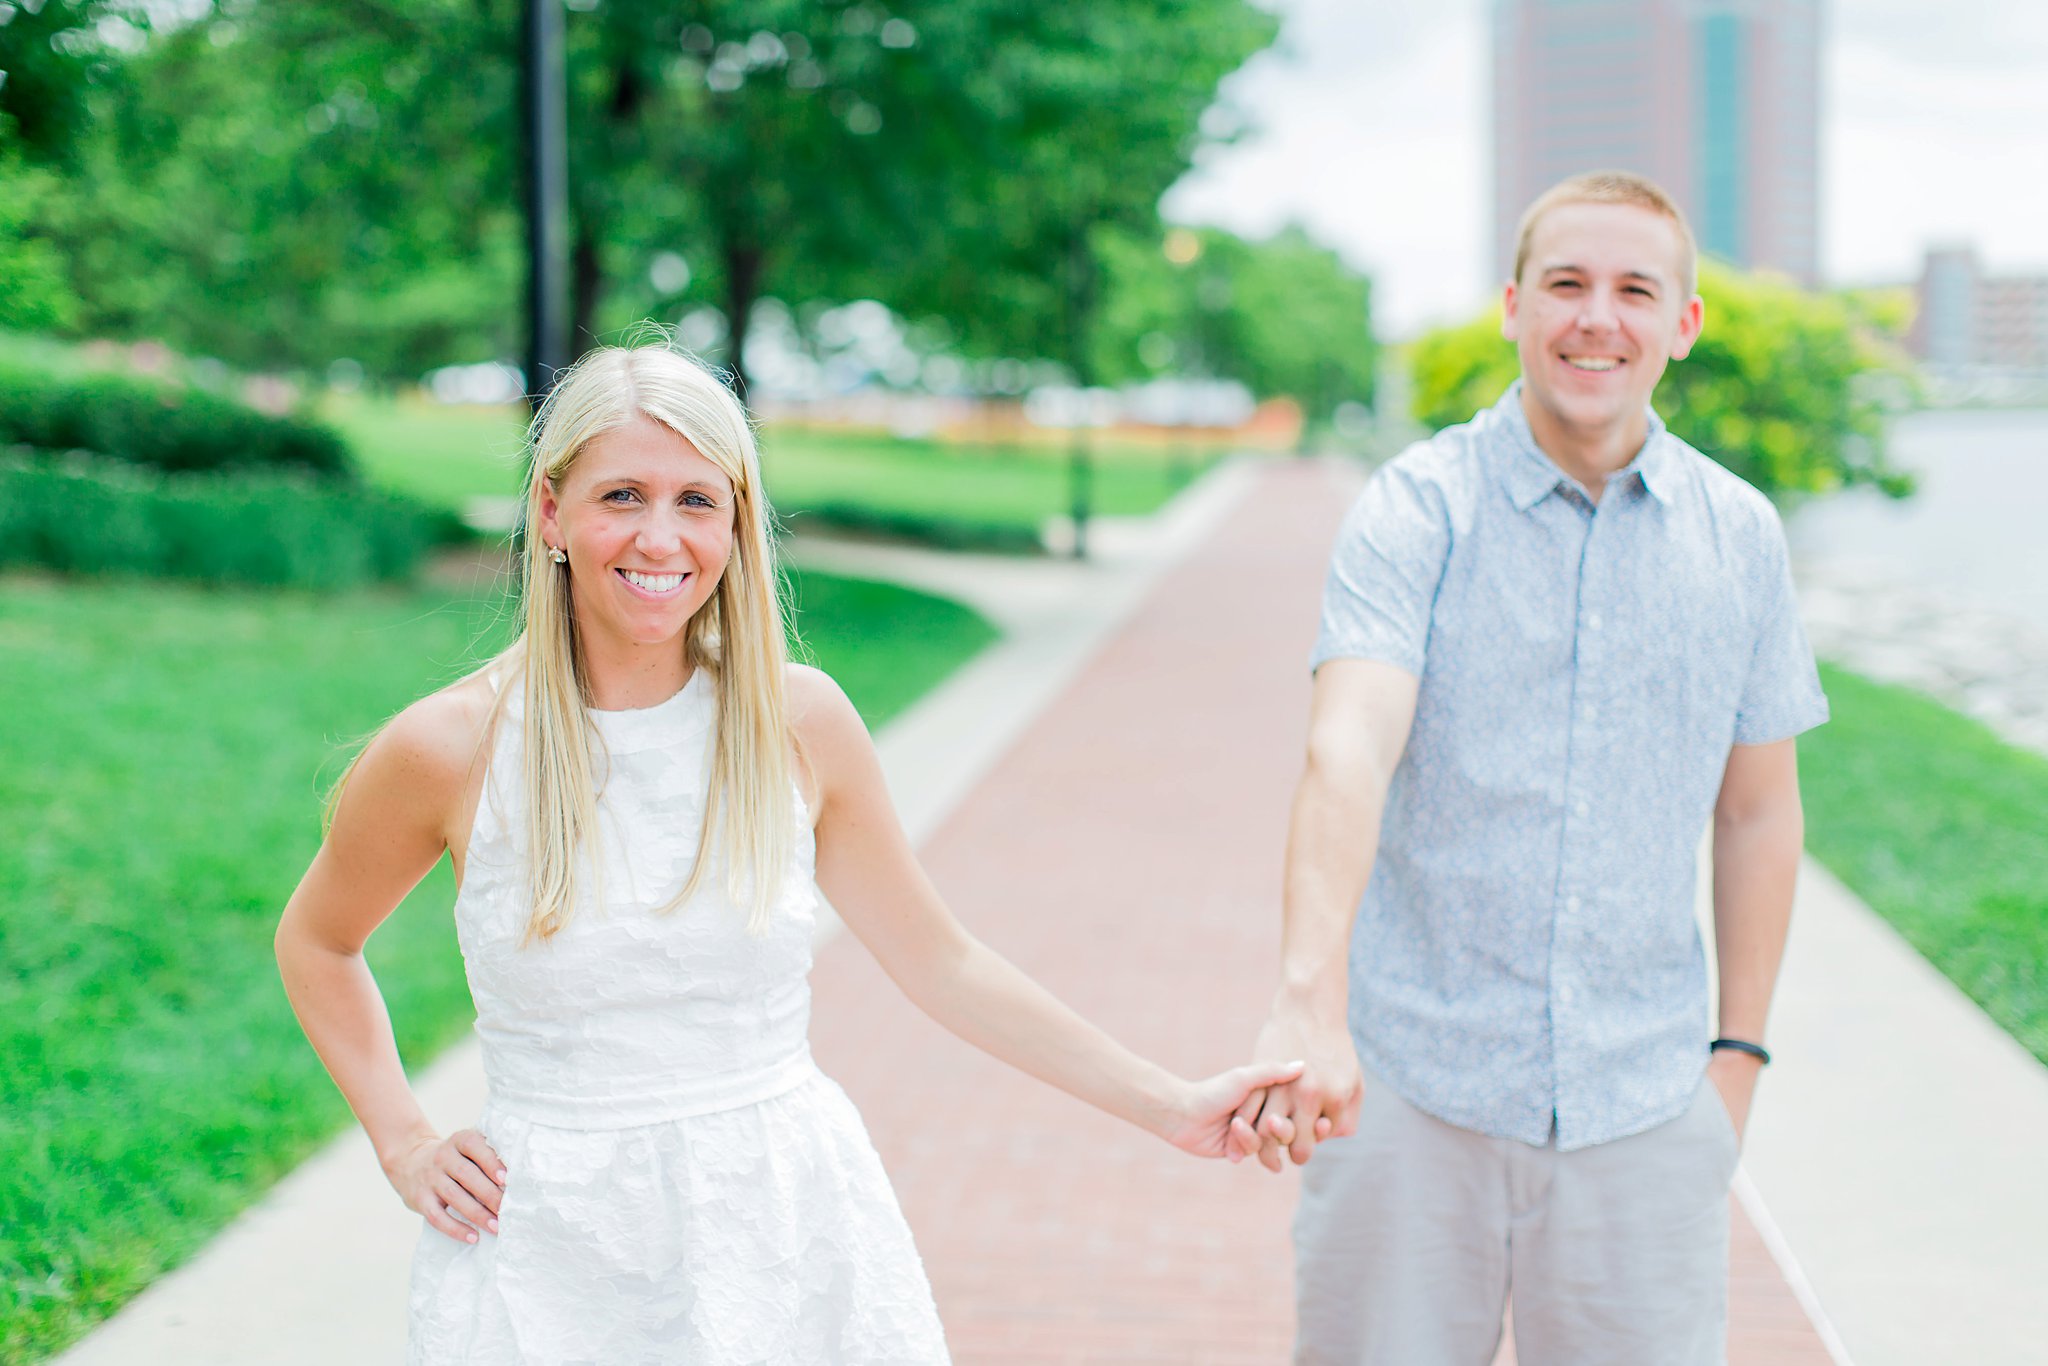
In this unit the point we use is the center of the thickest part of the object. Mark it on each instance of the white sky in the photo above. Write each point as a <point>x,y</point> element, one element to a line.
<point>1372,117</point>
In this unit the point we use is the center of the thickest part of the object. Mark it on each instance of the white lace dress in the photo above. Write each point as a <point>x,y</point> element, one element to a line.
<point>685,1185</point>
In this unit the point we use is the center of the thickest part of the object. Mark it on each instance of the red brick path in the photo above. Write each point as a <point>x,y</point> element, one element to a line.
<point>1127,854</point>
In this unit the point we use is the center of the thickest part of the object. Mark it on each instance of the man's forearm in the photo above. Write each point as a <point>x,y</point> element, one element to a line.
<point>1332,840</point>
<point>1359,718</point>
<point>1756,867</point>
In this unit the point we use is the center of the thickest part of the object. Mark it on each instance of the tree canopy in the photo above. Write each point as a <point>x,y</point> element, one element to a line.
<point>1281,316</point>
<point>290,183</point>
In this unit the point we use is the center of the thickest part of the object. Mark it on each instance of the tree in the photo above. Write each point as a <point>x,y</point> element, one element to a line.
<point>33,292</point>
<point>950,157</point>
<point>1778,388</point>
<point>1103,108</point>
<point>48,61</point>
<point>275,186</point>
<point>287,183</point>
<point>1283,316</point>
<point>46,69</point>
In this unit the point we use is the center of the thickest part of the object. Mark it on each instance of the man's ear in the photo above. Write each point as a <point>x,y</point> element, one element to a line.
<point>1507,312</point>
<point>1689,324</point>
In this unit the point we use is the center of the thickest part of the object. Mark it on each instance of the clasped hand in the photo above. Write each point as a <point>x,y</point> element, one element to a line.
<point>456,1183</point>
<point>1322,1102</point>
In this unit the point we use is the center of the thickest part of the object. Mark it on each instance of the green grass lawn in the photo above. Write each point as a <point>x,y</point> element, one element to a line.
<point>442,453</point>
<point>1942,828</point>
<point>448,455</point>
<point>166,753</point>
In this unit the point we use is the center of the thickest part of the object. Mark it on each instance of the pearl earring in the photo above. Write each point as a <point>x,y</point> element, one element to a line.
<point>558,555</point>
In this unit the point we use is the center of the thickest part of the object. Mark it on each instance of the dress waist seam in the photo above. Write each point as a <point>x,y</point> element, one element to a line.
<point>700,1096</point>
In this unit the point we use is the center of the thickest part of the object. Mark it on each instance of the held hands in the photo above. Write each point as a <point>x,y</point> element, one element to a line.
<point>1200,1119</point>
<point>456,1183</point>
<point>1321,1103</point>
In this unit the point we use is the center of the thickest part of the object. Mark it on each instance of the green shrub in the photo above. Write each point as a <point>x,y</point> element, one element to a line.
<point>168,426</point>
<point>89,515</point>
<point>915,528</point>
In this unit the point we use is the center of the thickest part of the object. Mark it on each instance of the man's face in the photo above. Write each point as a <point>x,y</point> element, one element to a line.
<point>1601,308</point>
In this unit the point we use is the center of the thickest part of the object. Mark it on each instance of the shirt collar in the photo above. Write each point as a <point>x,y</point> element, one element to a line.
<point>1530,475</point>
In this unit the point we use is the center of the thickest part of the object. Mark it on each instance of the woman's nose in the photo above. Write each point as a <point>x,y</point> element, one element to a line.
<point>661,533</point>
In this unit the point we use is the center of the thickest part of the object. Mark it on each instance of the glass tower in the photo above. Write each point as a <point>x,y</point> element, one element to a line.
<point>1716,100</point>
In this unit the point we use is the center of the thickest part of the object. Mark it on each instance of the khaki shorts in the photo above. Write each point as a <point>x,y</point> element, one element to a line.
<point>1412,1233</point>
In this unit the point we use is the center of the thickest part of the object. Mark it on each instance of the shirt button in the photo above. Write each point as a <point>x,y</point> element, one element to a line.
<point>1564,996</point>
<point>1593,621</point>
<point>1571,903</point>
<point>1591,713</point>
<point>1583,809</point>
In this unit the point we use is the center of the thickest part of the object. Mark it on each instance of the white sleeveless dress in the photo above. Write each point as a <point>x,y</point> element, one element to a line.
<point>684,1184</point>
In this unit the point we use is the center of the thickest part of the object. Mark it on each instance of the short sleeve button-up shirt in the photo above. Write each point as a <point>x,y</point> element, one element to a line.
<point>1526,961</point>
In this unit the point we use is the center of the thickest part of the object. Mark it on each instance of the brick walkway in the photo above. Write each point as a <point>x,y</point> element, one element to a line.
<point>1127,854</point>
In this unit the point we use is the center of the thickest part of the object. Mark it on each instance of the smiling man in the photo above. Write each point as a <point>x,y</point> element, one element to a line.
<point>1557,643</point>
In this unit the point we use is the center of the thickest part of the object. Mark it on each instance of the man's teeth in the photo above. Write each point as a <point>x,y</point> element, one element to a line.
<point>1591,362</point>
<point>653,583</point>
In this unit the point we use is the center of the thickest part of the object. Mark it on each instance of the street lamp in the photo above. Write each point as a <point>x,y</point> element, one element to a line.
<point>547,198</point>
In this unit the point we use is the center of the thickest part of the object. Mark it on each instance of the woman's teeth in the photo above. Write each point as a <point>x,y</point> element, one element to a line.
<point>654,583</point>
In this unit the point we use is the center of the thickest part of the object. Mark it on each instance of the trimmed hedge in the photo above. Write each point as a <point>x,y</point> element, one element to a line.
<point>914,528</point>
<point>168,426</point>
<point>83,514</point>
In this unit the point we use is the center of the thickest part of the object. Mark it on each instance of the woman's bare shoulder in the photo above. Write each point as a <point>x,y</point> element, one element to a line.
<point>832,741</point>
<point>819,709</point>
<point>434,747</point>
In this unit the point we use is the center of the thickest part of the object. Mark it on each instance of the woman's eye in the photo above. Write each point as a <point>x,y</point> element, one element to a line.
<point>699,501</point>
<point>619,496</point>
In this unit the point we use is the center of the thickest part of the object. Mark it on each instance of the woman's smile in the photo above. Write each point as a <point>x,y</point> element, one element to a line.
<point>654,587</point>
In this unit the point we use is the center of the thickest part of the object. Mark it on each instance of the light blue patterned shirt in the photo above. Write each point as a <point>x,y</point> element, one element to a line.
<point>1526,952</point>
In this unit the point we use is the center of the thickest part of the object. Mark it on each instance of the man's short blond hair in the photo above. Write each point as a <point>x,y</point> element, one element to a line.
<point>1609,187</point>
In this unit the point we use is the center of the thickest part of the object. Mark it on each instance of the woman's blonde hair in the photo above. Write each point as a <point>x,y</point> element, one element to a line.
<point>737,638</point>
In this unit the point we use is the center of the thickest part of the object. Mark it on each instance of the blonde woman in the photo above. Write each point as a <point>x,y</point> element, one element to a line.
<point>642,798</point>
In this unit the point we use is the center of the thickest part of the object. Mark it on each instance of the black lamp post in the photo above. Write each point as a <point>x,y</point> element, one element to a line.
<point>1081,293</point>
<point>547,198</point>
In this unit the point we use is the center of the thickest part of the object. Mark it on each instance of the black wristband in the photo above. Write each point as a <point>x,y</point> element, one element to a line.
<point>1755,1050</point>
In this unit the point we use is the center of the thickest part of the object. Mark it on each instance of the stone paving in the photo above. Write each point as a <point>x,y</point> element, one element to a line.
<point>1981,662</point>
<point>1126,851</point>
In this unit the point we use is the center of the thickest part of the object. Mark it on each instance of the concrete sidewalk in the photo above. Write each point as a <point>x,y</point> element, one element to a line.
<point>1103,796</point>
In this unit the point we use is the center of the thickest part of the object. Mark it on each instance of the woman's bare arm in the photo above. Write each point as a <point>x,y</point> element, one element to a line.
<point>868,871</point>
<point>395,819</point>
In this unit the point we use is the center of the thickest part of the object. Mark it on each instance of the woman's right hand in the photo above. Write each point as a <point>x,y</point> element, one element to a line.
<point>455,1183</point>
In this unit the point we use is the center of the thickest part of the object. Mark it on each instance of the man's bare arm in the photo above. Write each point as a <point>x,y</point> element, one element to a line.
<point>1359,718</point>
<point>1759,830</point>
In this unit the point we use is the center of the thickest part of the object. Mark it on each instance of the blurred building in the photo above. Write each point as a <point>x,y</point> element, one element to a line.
<point>1966,319</point>
<point>1716,100</point>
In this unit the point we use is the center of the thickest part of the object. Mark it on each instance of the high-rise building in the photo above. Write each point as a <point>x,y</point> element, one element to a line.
<point>1716,100</point>
<point>1967,319</point>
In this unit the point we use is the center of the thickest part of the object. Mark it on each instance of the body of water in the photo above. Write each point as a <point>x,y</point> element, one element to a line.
<point>1976,529</point>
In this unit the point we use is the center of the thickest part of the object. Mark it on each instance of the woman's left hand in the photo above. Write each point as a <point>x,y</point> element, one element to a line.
<point>1201,1121</point>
